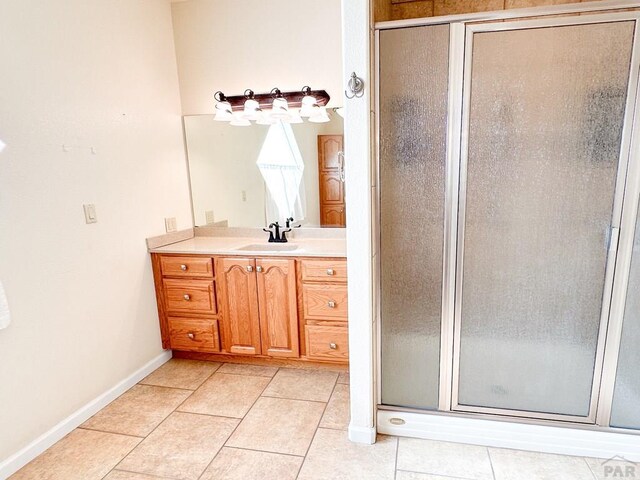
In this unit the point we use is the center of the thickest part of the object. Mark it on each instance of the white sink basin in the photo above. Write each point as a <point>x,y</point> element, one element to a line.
<point>269,247</point>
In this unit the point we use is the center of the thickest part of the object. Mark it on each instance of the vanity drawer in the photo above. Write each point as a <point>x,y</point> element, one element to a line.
<point>195,296</point>
<point>186,266</point>
<point>327,343</point>
<point>324,302</point>
<point>333,271</point>
<point>194,334</point>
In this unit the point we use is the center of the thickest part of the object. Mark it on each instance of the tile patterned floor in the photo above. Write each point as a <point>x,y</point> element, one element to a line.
<point>193,420</point>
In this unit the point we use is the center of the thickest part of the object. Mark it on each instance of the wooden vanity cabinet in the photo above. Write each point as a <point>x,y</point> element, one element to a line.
<point>187,303</point>
<point>287,308</point>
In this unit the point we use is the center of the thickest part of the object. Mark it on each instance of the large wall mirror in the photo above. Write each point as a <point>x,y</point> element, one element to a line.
<point>255,175</point>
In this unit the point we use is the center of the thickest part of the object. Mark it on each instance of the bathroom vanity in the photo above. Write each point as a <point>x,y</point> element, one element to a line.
<point>243,297</point>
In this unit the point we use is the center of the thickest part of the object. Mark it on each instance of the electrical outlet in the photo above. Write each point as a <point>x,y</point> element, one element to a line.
<point>208,217</point>
<point>90,213</point>
<point>244,195</point>
<point>170,224</point>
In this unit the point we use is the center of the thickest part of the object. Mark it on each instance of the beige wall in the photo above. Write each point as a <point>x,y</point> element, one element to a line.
<point>404,9</point>
<point>232,45</point>
<point>85,73</point>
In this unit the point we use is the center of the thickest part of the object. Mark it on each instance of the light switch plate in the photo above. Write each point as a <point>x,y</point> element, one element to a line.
<point>208,217</point>
<point>90,213</point>
<point>170,224</point>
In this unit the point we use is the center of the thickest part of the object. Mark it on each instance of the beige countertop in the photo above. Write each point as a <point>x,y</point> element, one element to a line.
<point>304,247</point>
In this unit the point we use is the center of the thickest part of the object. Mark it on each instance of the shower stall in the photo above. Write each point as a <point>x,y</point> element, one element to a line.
<point>509,241</point>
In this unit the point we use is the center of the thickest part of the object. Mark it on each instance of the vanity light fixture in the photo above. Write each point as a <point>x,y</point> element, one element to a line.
<point>223,108</point>
<point>280,106</point>
<point>319,115</point>
<point>272,107</point>
<point>252,110</point>
<point>308,102</point>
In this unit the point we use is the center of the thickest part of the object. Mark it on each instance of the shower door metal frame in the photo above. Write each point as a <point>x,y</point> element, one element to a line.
<point>619,194</point>
<point>602,9</point>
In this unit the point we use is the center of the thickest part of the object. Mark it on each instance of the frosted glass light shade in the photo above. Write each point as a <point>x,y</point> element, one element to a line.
<point>223,112</point>
<point>280,109</point>
<point>251,109</point>
<point>294,117</point>
<point>266,118</point>
<point>239,121</point>
<point>319,115</point>
<point>308,104</point>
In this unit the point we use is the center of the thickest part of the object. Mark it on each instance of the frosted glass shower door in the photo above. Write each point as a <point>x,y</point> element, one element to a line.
<point>541,183</point>
<point>413,79</point>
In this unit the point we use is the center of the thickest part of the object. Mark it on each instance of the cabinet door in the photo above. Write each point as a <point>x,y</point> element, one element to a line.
<point>239,297</point>
<point>278,307</point>
<point>332,216</point>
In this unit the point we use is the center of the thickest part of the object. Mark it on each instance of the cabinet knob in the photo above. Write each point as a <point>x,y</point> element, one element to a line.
<point>331,304</point>
<point>330,271</point>
<point>187,297</point>
<point>249,268</point>
<point>333,346</point>
<point>183,268</point>
<point>191,335</point>
<point>259,269</point>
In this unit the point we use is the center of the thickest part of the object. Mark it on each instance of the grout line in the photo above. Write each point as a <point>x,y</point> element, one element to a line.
<point>154,429</point>
<point>437,475</point>
<point>317,427</point>
<point>265,451</point>
<point>107,431</point>
<point>209,414</point>
<point>493,472</point>
<point>138,473</point>
<point>296,399</point>
<point>395,464</point>
<point>236,427</point>
<point>593,473</point>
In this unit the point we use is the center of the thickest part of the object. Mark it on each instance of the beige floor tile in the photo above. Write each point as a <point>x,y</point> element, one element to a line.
<point>138,411</point>
<point>181,373</point>
<point>343,378</point>
<point>401,475</point>
<point>443,458</point>
<point>181,447</point>
<point>121,475</point>
<point>237,464</point>
<point>81,455</point>
<point>521,465</point>
<point>278,425</point>
<point>300,384</point>
<point>226,395</point>
<point>337,413</point>
<point>242,369</point>
<point>614,468</point>
<point>333,456</point>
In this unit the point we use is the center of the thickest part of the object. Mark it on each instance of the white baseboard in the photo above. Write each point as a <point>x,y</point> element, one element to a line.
<point>520,436</point>
<point>366,435</point>
<point>44,441</point>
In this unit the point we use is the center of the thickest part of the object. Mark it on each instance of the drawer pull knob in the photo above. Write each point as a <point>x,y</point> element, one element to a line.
<point>331,304</point>
<point>187,297</point>
<point>249,268</point>
<point>259,269</point>
<point>183,268</point>
<point>330,271</point>
<point>333,346</point>
<point>191,335</point>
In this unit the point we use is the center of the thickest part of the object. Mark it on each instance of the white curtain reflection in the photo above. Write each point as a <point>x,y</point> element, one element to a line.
<point>281,166</point>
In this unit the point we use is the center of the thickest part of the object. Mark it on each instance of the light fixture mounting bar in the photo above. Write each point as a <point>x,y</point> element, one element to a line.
<point>294,99</point>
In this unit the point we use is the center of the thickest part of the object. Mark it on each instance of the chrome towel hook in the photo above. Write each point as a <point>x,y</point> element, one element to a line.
<point>355,86</point>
